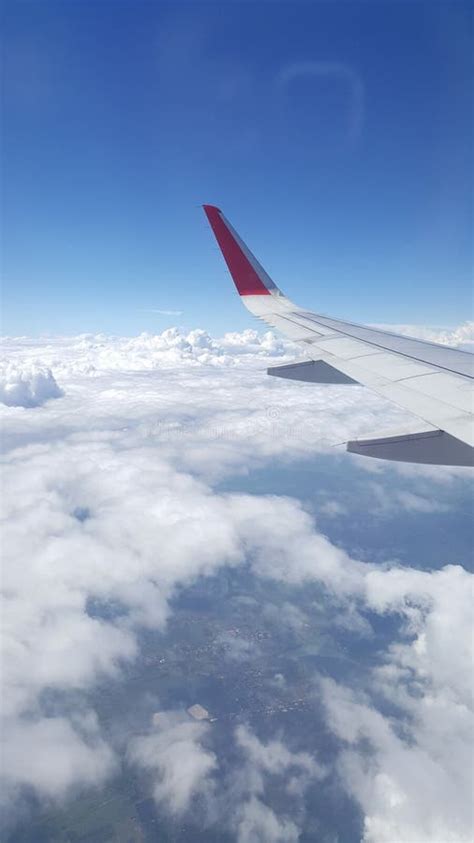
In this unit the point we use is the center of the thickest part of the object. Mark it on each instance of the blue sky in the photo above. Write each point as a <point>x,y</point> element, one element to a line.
<point>335,136</point>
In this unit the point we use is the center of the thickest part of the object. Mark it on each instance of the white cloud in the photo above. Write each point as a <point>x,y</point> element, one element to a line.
<point>257,823</point>
<point>51,755</point>
<point>93,353</point>
<point>252,818</point>
<point>439,613</point>
<point>418,503</point>
<point>285,615</point>
<point>416,780</point>
<point>27,386</point>
<point>331,509</point>
<point>207,404</point>
<point>274,757</point>
<point>179,765</point>
<point>287,548</point>
<point>408,788</point>
<point>389,500</point>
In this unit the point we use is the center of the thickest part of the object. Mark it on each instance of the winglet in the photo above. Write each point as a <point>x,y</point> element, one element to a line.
<point>248,275</point>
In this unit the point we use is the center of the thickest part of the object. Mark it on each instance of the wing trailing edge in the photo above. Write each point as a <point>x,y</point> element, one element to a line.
<point>431,447</point>
<point>310,371</point>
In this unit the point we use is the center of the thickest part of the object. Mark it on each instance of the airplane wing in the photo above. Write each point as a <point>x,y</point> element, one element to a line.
<point>434,382</point>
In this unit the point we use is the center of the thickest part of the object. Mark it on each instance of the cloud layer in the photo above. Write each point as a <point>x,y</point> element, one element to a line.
<point>115,501</point>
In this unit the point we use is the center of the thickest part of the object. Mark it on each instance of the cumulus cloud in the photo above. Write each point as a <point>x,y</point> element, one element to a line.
<point>95,353</point>
<point>27,386</point>
<point>274,757</point>
<point>438,610</point>
<point>409,789</point>
<point>287,548</point>
<point>428,678</point>
<point>51,755</point>
<point>257,822</point>
<point>179,765</point>
<point>252,818</point>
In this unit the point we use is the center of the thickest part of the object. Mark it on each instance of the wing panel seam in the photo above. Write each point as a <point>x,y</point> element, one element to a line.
<point>392,351</point>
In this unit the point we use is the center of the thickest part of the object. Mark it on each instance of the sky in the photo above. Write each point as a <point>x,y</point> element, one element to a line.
<point>335,136</point>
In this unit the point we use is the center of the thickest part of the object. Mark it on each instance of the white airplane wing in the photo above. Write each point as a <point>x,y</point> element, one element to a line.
<point>434,382</point>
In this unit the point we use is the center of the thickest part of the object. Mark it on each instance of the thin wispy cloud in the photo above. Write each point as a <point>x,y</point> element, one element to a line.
<point>161,312</point>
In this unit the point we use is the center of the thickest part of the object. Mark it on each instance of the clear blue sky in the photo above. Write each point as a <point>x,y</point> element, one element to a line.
<point>335,136</point>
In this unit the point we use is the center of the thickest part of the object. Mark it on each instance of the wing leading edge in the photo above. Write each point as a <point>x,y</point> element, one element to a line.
<point>433,382</point>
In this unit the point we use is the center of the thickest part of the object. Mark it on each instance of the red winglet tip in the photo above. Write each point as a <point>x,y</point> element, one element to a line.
<point>238,259</point>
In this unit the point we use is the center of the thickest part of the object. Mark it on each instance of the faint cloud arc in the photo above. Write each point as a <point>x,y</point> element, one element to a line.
<point>332,70</point>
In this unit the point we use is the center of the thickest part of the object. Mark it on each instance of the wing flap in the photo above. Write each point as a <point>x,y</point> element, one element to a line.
<point>433,447</point>
<point>310,371</point>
